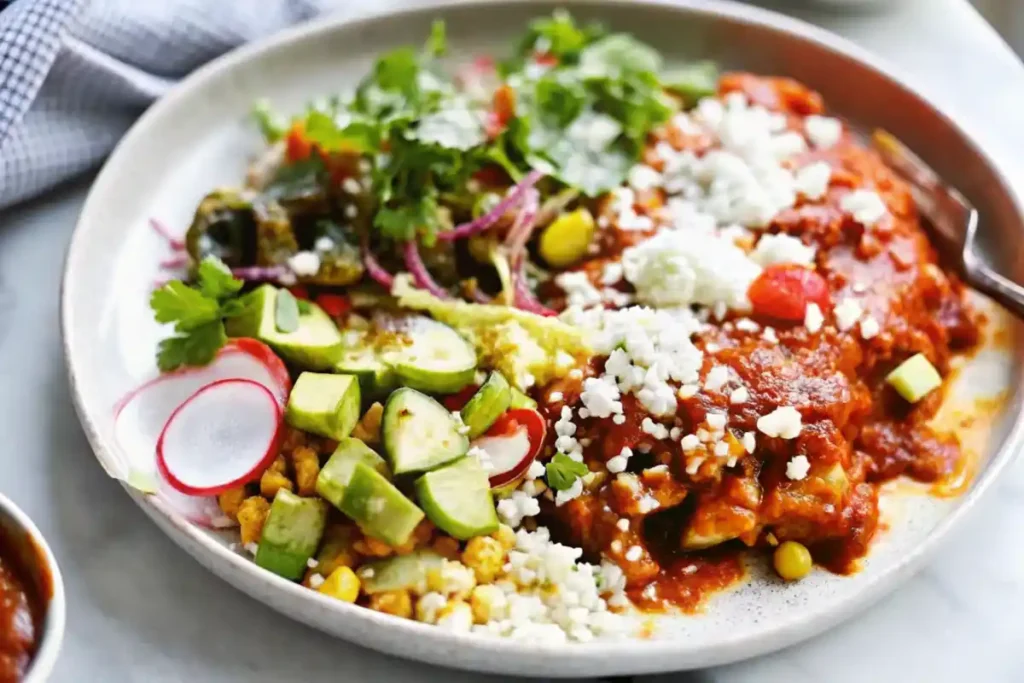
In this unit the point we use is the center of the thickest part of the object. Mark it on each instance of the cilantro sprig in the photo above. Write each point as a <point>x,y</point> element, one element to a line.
<point>197,313</point>
<point>563,471</point>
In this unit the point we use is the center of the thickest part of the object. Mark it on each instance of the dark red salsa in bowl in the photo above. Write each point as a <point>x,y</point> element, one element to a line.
<point>26,587</point>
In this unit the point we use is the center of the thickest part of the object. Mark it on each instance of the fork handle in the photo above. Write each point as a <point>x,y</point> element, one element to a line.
<point>1005,291</point>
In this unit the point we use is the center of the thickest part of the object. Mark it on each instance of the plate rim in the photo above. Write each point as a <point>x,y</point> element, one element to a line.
<point>627,656</point>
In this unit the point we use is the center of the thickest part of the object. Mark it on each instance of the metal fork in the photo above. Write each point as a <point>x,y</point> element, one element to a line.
<point>952,217</point>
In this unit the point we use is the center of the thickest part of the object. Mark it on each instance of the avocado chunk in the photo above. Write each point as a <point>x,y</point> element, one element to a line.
<point>291,534</point>
<point>376,378</point>
<point>915,378</point>
<point>488,403</point>
<point>336,473</point>
<point>457,498</point>
<point>315,345</point>
<point>410,572</point>
<point>327,405</point>
<point>419,433</point>
<point>380,509</point>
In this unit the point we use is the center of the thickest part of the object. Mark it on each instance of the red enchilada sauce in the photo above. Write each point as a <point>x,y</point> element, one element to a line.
<point>21,610</point>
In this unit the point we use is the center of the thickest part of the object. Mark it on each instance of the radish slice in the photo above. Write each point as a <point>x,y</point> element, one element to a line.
<point>223,436</point>
<point>512,444</point>
<point>140,416</point>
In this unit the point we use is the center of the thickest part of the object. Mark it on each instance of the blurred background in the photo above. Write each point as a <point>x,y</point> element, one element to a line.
<point>1008,18</point>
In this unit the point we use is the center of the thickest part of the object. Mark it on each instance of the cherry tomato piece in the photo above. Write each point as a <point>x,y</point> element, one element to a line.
<point>299,292</point>
<point>334,305</point>
<point>513,420</point>
<point>545,58</point>
<point>784,290</point>
<point>456,401</point>
<point>297,145</point>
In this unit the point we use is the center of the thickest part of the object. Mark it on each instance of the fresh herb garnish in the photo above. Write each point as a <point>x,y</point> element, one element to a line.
<point>286,312</point>
<point>198,313</point>
<point>272,125</point>
<point>563,472</point>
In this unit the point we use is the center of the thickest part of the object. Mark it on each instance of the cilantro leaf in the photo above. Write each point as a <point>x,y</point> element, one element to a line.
<point>178,303</point>
<point>344,133</point>
<point>272,125</point>
<point>457,126</point>
<point>215,279</point>
<point>437,42</point>
<point>563,471</point>
<point>198,347</point>
<point>557,36</point>
<point>618,56</point>
<point>693,81</point>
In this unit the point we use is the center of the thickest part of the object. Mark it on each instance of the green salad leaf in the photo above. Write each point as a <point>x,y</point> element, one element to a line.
<point>197,313</point>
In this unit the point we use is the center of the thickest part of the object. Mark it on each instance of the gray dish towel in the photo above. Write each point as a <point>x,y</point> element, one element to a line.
<point>75,74</point>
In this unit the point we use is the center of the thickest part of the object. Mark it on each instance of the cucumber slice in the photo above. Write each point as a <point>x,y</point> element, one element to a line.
<point>419,433</point>
<point>380,509</point>
<point>521,400</point>
<point>327,405</point>
<point>404,572</point>
<point>457,498</point>
<point>433,357</point>
<point>915,378</point>
<point>376,378</point>
<point>488,403</point>
<point>291,534</point>
<point>336,473</point>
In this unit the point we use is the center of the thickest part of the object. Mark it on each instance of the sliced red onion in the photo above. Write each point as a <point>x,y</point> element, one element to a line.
<point>524,298</point>
<point>175,243</point>
<point>376,270</point>
<point>519,235</point>
<point>418,270</point>
<point>488,219</point>
<point>261,273</point>
<point>175,262</point>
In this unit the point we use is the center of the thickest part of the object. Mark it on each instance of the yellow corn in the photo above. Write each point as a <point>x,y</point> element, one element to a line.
<point>273,481</point>
<point>230,501</point>
<point>566,240</point>
<point>342,584</point>
<point>307,468</point>
<point>252,514</point>
<point>485,556</point>
<point>397,603</point>
<point>506,536</point>
<point>367,429</point>
<point>488,603</point>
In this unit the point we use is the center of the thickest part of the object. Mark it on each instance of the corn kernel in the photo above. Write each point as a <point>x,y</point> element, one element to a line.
<point>372,547</point>
<point>342,584</point>
<point>307,468</point>
<point>428,606</point>
<point>506,536</point>
<point>367,429</point>
<point>230,501</point>
<point>252,514</point>
<point>397,603</point>
<point>293,438</point>
<point>447,547</point>
<point>485,556</point>
<point>488,603</point>
<point>271,482</point>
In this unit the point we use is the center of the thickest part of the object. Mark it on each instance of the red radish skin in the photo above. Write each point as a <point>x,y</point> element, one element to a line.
<point>140,416</point>
<point>510,466</point>
<point>168,461</point>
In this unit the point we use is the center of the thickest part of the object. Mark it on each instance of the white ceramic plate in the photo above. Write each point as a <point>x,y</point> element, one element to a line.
<point>198,137</point>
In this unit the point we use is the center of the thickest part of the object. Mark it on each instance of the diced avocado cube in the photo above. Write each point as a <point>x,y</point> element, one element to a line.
<point>380,509</point>
<point>327,405</point>
<point>291,534</point>
<point>915,378</point>
<point>457,498</point>
<point>401,572</point>
<point>376,378</point>
<point>336,473</point>
<point>315,345</point>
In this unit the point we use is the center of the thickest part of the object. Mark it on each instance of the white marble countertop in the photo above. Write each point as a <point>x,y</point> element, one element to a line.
<point>140,609</point>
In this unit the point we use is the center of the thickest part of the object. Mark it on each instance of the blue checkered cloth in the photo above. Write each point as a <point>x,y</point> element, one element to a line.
<point>75,74</point>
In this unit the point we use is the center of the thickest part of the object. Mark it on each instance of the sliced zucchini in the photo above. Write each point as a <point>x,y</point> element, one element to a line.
<point>488,403</point>
<point>430,356</point>
<point>419,433</point>
<point>403,572</point>
<point>380,509</point>
<point>457,498</point>
<point>521,400</point>
<point>337,471</point>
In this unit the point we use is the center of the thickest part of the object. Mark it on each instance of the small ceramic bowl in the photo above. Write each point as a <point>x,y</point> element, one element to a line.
<point>22,538</point>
